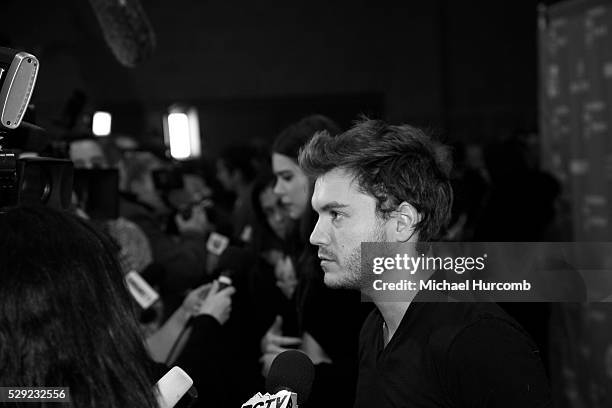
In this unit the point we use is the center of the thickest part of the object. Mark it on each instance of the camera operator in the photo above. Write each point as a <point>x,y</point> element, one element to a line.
<point>135,253</point>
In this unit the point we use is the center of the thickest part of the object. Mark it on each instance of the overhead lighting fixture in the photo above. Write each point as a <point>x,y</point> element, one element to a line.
<point>182,133</point>
<point>101,123</point>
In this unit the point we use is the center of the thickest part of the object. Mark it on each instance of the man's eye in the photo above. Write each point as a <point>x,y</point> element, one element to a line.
<point>335,215</point>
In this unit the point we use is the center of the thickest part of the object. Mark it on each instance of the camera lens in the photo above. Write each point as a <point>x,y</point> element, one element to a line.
<point>36,187</point>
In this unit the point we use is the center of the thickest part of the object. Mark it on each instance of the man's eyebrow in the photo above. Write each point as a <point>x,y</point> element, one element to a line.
<point>334,205</point>
<point>282,172</point>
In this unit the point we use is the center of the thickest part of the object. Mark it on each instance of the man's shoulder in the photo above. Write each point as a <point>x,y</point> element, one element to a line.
<point>373,318</point>
<point>473,325</point>
<point>468,357</point>
<point>371,325</point>
<point>462,314</point>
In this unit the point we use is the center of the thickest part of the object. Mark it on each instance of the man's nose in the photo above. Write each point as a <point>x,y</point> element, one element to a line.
<point>319,236</point>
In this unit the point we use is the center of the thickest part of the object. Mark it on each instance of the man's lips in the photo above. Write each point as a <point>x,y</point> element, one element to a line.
<point>325,258</point>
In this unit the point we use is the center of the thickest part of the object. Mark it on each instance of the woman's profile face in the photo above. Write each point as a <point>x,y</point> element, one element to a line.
<point>292,185</point>
<point>275,212</point>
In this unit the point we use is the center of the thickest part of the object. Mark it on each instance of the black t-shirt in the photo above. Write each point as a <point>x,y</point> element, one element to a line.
<point>450,355</point>
<point>333,317</point>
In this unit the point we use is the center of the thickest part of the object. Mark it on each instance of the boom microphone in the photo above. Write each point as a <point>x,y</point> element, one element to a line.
<point>127,30</point>
<point>293,371</point>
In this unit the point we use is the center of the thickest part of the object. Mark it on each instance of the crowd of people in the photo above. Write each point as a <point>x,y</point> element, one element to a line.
<point>285,227</point>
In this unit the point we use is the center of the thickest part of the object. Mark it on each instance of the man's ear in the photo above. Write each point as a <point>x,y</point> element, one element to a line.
<point>405,219</point>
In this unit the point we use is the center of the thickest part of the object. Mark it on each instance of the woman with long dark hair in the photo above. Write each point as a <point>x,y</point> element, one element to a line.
<point>66,319</point>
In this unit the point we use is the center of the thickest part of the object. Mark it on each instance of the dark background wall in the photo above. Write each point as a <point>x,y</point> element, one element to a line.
<point>464,69</point>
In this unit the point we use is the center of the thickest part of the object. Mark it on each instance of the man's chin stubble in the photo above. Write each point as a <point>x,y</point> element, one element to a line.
<point>345,283</point>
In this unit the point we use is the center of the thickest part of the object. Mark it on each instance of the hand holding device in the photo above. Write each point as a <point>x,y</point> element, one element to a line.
<point>218,302</point>
<point>273,343</point>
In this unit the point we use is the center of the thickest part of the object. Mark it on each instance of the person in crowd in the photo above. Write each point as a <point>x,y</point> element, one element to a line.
<point>470,183</point>
<point>201,345</point>
<point>273,223</point>
<point>273,280</point>
<point>89,153</point>
<point>166,344</point>
<point>328,320</point>
<point>66,319</point>
<point>258,298</point>
<point>173,264</point>
<point>382,183</point>
<point>514,174</point>
<point>236,171</point>
<point>521,207</point>
<point>183,257</point>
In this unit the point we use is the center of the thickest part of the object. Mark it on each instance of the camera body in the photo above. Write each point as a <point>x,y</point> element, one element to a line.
<point>34,180</point>
<point>31,180</point>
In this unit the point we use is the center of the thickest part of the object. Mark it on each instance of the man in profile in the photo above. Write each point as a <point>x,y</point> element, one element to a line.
<point>381,183</point>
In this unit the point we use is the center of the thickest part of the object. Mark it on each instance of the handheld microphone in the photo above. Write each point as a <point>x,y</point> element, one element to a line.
<point>140,290</point>
<point>173,386</point>
<point>292,371</point>
<point>225,280</point>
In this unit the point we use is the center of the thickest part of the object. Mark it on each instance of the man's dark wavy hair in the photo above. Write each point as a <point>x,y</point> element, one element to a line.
<point>391,163</point>
<point>66,318</point>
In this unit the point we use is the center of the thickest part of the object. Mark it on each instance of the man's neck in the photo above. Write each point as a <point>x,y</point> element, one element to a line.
<point>392,313</point>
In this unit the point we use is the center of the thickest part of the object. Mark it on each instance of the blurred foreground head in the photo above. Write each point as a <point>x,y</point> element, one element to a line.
<point>65,315</point>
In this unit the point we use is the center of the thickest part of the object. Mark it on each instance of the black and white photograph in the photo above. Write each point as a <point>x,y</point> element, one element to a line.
<point>306,204</point>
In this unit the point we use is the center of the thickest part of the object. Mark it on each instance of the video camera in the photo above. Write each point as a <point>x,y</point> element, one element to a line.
<point>31,180</point>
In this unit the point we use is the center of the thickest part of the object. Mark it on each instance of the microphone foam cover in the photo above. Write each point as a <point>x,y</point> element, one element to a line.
<point>291,370</point>
<point>126,29</point>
